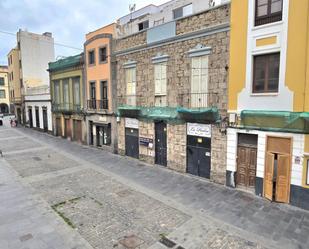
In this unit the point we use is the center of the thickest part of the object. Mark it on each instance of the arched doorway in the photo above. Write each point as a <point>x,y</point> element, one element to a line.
<point>4,108</point>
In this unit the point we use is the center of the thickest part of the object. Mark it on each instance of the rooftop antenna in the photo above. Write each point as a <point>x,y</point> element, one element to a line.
<point>132,8</point>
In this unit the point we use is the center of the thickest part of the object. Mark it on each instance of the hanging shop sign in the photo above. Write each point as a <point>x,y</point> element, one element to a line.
<point>131,123</point>
<point>199,130</point>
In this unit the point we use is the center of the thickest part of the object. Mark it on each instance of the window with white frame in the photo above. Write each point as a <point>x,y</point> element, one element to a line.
<point>160,83</point>
<point>199,81</point>
<point>131,85</point>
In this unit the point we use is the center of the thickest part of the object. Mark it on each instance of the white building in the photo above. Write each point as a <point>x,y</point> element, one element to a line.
<point>38,108</point>
<point>34,52</point>
<point>152,15</point>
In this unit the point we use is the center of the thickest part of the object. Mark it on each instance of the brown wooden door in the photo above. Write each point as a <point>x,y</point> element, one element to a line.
<point>283,174</point>
<point>269,172</point>
<point>77,130</point>
<point>58,127</point>
<point>246,166</point>
<point>68,131</point>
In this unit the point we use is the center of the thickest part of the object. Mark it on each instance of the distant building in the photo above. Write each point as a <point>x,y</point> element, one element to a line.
<point>68,103</point>
<point>4,91</point>
<point>100,88</point>
<point>28,63</point>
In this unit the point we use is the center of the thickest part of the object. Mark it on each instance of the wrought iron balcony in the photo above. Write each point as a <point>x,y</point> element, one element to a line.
<point>198,100</point>
<point>97,105</point>
<point>66,108</point>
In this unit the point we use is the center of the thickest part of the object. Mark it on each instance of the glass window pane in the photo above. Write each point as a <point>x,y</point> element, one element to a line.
<point>276,6</point>
<point>187,10</point>
<point>262,10</point>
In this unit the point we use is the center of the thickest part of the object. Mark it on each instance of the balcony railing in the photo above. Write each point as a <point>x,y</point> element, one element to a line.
<point>93,104</point>
<point>198,100</point>
<point>66,107</point>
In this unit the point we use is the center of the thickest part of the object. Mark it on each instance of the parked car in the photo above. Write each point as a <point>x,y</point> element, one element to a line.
<point>1,118</point>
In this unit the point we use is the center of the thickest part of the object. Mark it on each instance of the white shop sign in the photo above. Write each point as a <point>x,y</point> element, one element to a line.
<point>199,130</point>
<point>131,123</point>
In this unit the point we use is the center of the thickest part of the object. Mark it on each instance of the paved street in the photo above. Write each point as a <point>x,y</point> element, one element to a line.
<point>58,194</point>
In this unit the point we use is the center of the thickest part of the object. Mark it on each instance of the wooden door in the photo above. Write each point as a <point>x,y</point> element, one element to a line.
<point>77,130</point>
<point>246,166</point>
<point>68,130</point>
<point>269,173</point>
<point>161,144</point>
<point>131,142</point>
<point>283,175</point>
<point>58,127</point>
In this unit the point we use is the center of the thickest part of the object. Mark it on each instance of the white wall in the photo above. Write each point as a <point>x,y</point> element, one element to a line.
<point>298,151</point>
<point>283,100</point>
<point>42,104</point>
<point>35,53</point>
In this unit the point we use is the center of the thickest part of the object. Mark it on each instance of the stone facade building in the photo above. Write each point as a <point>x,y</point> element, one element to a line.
<point>172,93</point>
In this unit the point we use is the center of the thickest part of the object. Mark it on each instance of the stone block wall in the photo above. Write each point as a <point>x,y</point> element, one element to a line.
<point>218,155</point>
<point>131,41</point>
<point>146,129</point>
<point>121,137</point>
<point>203,20</point>
<point>176,147</point>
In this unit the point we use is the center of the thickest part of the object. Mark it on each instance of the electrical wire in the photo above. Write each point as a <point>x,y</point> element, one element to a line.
<point>55,43</point>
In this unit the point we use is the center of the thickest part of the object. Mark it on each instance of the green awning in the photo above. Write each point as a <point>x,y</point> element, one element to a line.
<point>203,115</point>
<point>129,111</point>
<point>65,63</point>
<point>280,121</point>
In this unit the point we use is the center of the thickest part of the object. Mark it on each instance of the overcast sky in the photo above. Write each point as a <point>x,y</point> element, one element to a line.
<point>68,20</point>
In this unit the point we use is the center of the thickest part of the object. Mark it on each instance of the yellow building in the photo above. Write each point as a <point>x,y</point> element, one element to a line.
<point>268,141</point>
<point>67,95</point>
<point>4,91</point>
<point>15,83</point>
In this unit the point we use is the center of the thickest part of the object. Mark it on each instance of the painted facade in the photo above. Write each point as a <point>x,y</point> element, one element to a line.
<point>172,94</point>
<point>37,103</point>
<point>100,89</point>
<point>4,91</point>
<point>268,100</point>
<point>67,97</point>
<point>14,83</point>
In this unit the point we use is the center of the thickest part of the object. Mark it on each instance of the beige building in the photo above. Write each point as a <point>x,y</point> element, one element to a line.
<point>4,91</point>
<point>28,64</point>
<point>14,82</point>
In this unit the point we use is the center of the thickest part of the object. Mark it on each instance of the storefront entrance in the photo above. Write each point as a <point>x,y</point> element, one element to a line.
<point>160,144</point>
<point>199,149</point>
<point>103,134</point>
<point>77,130</point>
<point>67,128</point>
<point>45,120</point>
<point>58,127</point>
<point>246,160</point>
<point>131,143</point>
<point>277,169</point>
<point>30,117</point>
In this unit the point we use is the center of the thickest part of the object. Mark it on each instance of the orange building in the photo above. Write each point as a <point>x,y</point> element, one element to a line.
<point>101,119</point>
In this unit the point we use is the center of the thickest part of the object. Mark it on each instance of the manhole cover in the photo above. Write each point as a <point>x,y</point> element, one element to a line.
<point>131,241</point>
<point>36,158</point>
<point>124,193</point>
